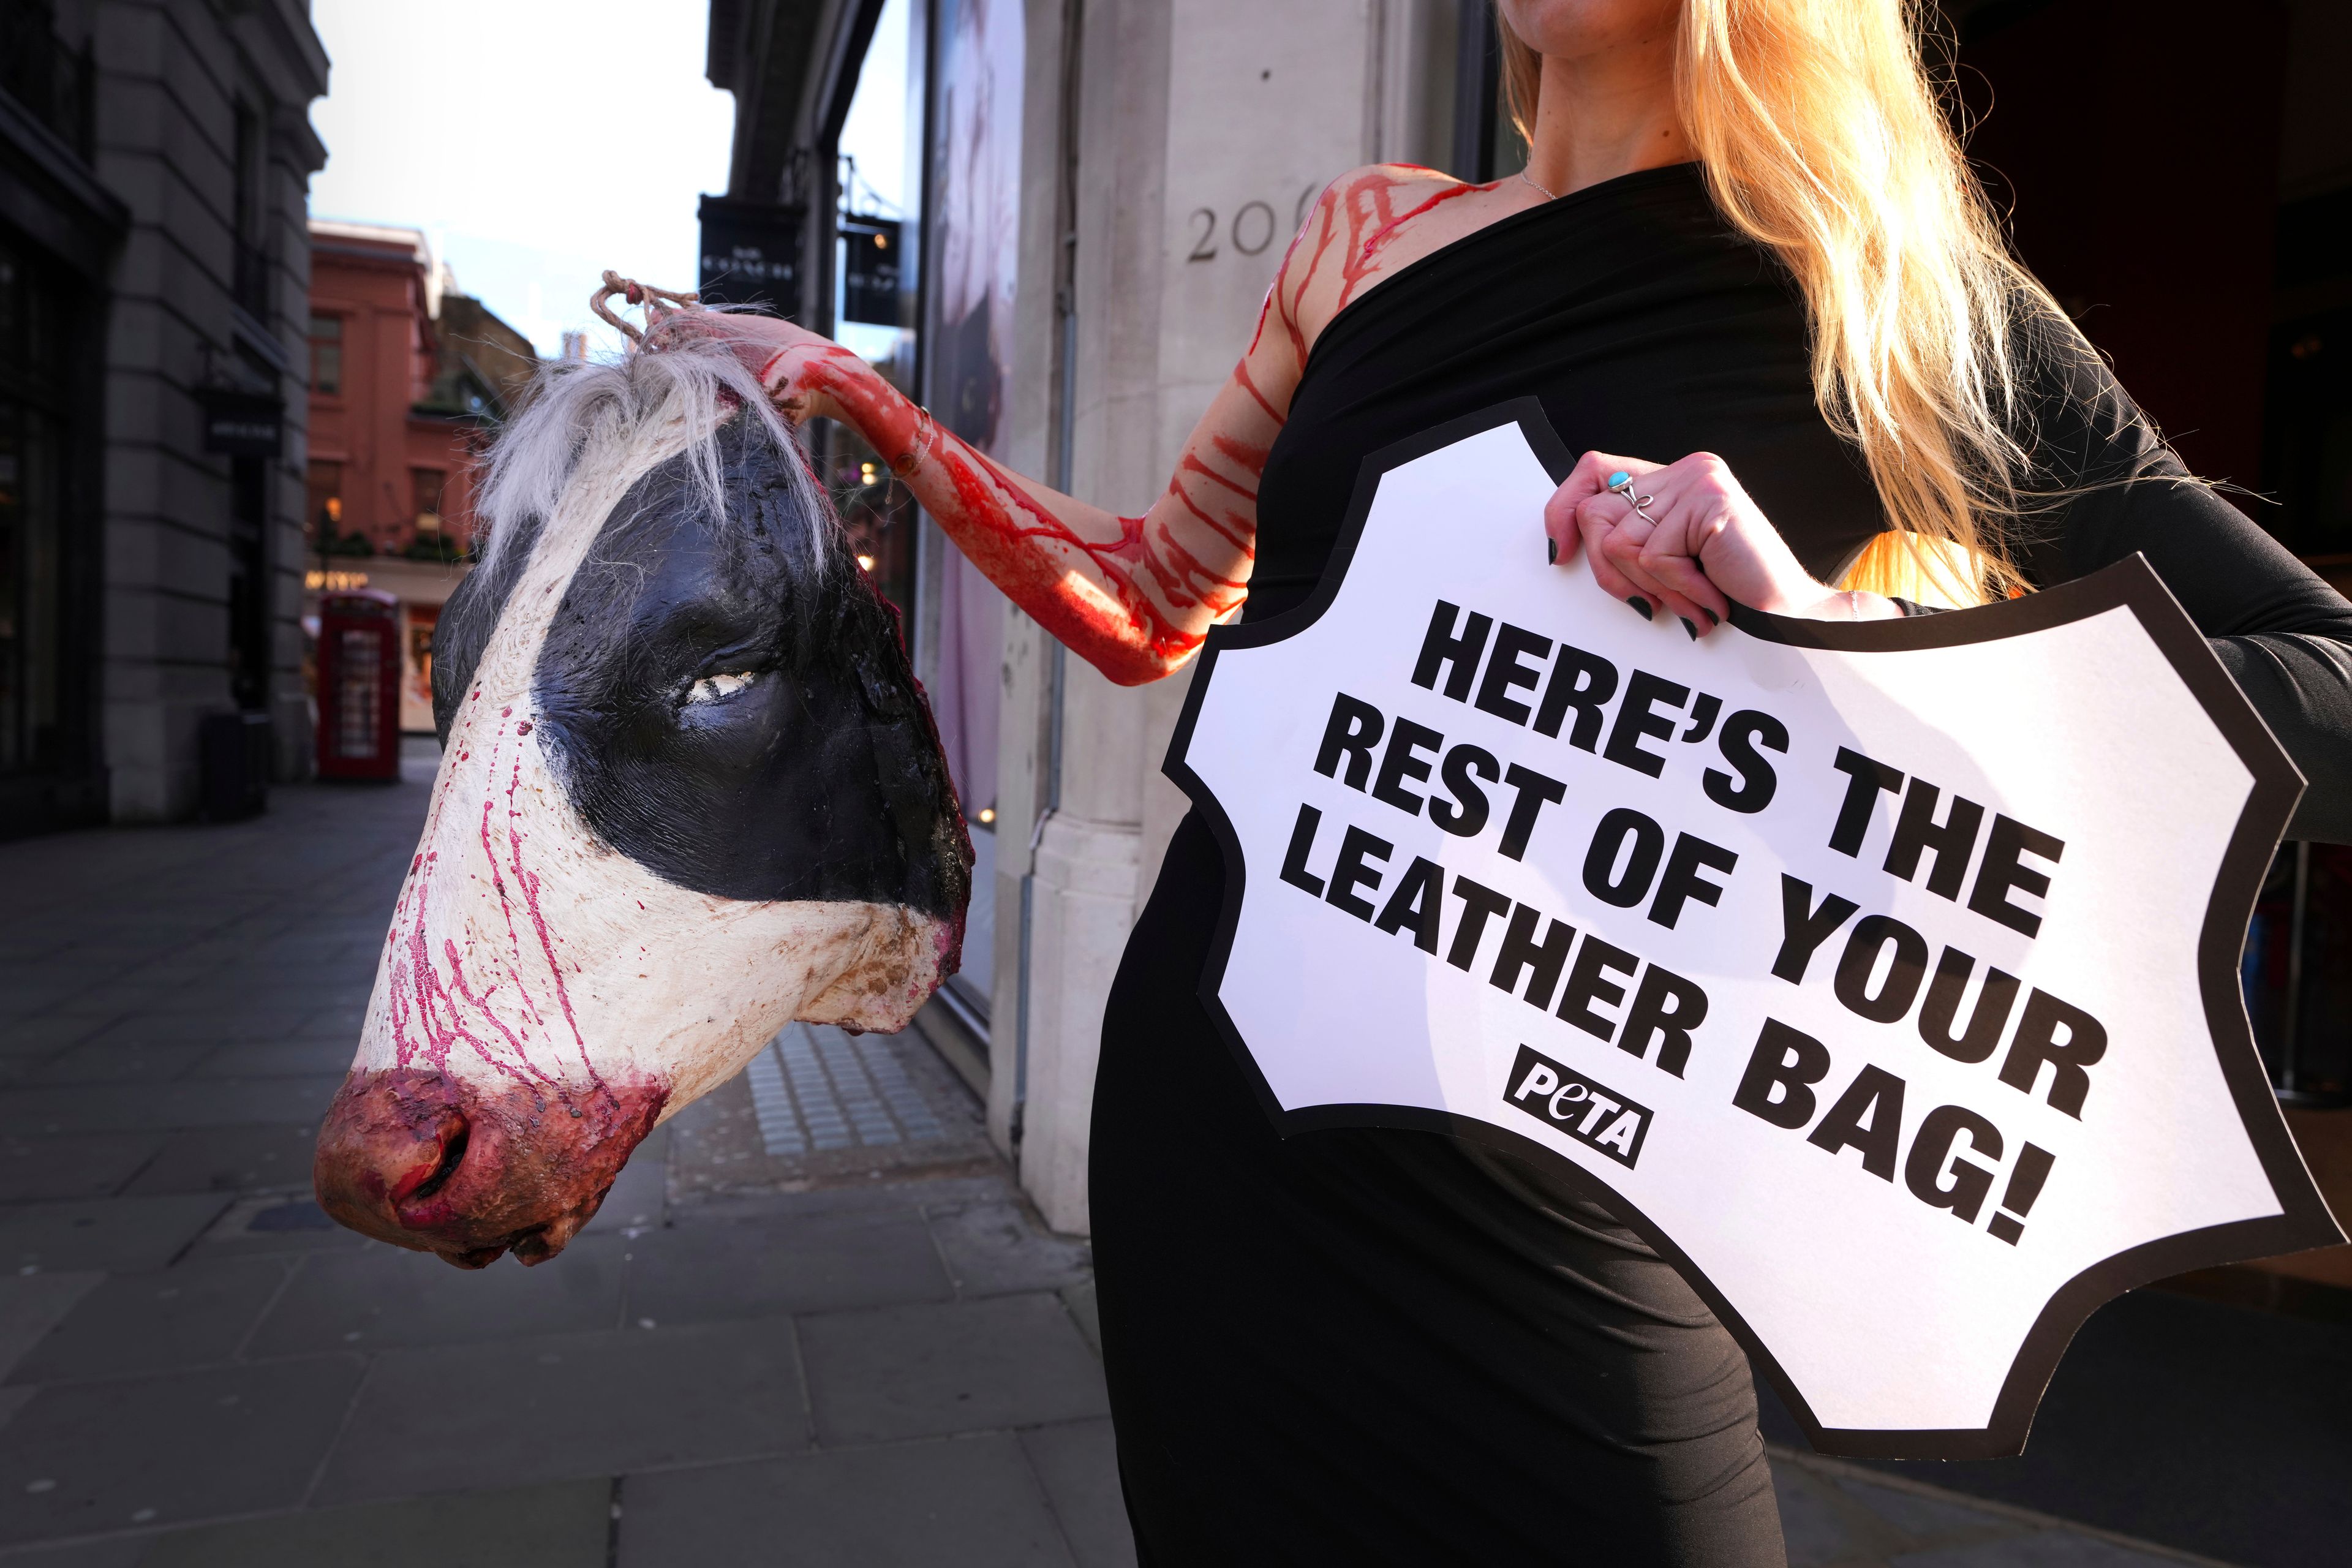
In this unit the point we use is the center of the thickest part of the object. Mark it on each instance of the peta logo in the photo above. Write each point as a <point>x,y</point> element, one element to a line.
<point>1578,1106</point>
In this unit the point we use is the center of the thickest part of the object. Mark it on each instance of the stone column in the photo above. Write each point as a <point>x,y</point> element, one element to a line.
<point>1205,128</point>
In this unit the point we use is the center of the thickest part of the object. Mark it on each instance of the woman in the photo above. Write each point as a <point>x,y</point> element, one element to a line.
<point>1745,242</point>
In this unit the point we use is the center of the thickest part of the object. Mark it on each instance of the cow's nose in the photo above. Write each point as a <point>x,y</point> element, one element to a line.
<point>390,1148</point>
<point>420,1159</point>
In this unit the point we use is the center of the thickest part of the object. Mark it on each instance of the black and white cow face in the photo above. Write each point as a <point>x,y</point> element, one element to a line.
<point>691,792</point>
<point>730,729</point>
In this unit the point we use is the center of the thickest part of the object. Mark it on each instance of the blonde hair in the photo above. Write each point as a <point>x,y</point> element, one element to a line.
<point>1823,138</point>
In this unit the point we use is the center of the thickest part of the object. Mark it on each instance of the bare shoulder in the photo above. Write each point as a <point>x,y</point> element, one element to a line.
<point>1371,222</point>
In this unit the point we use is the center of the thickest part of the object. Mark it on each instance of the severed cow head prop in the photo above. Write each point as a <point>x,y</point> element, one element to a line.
<point>691,792</point>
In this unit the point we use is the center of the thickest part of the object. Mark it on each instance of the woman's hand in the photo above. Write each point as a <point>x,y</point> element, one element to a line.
<point>1703,545</point>
<point>806,375</point>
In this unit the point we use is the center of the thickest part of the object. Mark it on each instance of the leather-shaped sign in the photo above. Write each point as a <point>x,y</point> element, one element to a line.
<point>1883,975</point>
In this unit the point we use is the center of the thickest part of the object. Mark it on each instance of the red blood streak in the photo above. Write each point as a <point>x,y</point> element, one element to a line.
<point>435,1007</point>
<point>1242,374</point>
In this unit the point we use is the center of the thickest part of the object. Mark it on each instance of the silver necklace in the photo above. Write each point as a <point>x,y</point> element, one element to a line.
<point>1548,195</point>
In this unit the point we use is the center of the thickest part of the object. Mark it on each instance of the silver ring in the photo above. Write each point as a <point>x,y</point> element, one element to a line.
<point>1639,504</point>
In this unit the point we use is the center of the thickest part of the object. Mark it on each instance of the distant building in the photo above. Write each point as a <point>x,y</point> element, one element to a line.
<point>153,267</point>
<point>407,376</point>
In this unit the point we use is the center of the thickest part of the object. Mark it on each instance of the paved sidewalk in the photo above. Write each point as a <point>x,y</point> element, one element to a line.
<point>814,1323</point>
<point>890,1366</point>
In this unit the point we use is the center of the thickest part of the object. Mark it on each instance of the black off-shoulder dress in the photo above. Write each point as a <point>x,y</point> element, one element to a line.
<point>1374,1346</point>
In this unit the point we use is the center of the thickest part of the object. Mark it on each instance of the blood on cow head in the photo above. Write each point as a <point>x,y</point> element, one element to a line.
<point>689,792</point>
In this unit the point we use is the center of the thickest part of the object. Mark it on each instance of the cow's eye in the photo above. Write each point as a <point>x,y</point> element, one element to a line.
<point>712,687</point>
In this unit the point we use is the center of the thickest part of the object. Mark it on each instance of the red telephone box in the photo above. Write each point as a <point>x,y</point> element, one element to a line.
<point>358,684</point>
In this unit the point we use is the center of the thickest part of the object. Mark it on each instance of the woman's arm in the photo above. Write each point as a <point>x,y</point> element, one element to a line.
<point>2285,636</point>
<point>1132,595</point>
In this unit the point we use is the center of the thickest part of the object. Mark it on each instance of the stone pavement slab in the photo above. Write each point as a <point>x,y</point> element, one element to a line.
<point>561,1526</point>
<point>33,1304</point>
<point>119,1233</point>
<point>1078,1465</point>
<point>993,1250</point>
<point>37,1038</point>
<point>1836,1514</point>
<point>229,1160</point>
<point>970,1502</point>
<point>1917,1513</point>
<point>195,1028</point>
<point>303,1055</point>
<point>80,1459</point>
<point>700,1272</point>
<point>967,1366</point>
<point>117,1552</point>
<point>49,1109</point>
<point>274,1223</point>
<point>167,1320</point>
<point>91,1165</point>
<point>569,1407</point>
<point>2046,1549</point>
<point>103,1060</point>
<point>33,996</point>
<point>379,1297</point>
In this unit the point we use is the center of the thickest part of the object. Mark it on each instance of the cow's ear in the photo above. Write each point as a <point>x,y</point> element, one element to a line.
<point>468,619</point>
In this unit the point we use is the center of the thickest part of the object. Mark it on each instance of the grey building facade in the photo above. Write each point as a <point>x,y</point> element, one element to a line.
<point>154,156</point>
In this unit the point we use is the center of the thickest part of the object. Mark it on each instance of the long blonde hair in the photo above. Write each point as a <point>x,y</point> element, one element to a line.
<point>1823,140</point>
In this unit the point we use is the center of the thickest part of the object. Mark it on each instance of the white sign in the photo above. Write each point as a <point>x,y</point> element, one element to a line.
<point>1884,975</point>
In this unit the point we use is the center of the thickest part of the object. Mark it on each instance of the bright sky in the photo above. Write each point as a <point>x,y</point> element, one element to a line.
<point>535,141</point>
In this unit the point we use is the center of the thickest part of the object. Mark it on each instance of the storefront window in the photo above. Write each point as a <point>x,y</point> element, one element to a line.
<point>973,238</point>
<point>923,291</point>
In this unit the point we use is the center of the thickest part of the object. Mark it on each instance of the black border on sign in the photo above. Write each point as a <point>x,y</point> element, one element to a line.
<point>2130,584</point>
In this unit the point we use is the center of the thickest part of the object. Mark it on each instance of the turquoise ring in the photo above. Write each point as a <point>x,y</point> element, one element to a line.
<point>1622,483</point>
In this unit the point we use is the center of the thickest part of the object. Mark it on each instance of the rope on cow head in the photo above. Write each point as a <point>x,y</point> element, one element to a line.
<point>656,303</point>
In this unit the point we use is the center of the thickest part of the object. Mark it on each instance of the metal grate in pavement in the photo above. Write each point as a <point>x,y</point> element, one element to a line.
<point>816,1087</point>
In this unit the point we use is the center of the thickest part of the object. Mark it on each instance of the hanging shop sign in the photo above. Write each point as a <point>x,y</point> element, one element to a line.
<point>869,272</point>
<point>1884,976</point>
<point>752,254</point>
<point>242,424</point>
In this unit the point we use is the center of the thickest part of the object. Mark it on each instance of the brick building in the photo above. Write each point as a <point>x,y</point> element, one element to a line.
<point>406,375</point>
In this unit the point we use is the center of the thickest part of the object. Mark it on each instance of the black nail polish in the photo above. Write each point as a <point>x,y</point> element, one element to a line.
<point>1551,549</point>
<point>1640,604</point>
<point>1712,618</point>
<point>1688,629</point>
